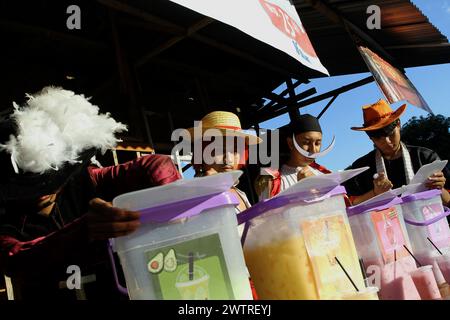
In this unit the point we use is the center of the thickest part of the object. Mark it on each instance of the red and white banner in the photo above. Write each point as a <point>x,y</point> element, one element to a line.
<point>275,22</point>
<point>393,83</point>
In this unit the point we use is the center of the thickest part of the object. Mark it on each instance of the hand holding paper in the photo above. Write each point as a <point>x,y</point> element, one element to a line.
<point>428,171</point>
<point>436,181</point>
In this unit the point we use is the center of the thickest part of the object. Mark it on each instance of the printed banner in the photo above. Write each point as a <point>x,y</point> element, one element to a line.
<point>393,83</point>
<point>275,22</point>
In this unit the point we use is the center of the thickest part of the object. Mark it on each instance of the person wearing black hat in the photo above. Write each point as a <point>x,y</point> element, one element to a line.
<point>303,137</point>
<point>55,209</point>
<point>392,163</point>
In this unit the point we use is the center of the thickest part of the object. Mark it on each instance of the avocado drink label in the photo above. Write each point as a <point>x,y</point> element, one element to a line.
<point>190,270</point>
<point>328,240</point>
<point>390,236</point>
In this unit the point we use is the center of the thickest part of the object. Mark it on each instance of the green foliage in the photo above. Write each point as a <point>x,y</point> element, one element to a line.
<point>431,132</point>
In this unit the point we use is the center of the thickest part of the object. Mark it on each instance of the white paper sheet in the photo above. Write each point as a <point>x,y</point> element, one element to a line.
<point>421,176</point>
<point>323,181</point>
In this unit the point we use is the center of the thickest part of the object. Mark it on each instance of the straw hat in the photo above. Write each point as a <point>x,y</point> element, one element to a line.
<point>227,123</point>
<point>379,115</point>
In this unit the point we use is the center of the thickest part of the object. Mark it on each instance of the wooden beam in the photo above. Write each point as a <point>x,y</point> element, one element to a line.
<point>144,15</point>
<point>231,50</point>
<point>299,96</point>
<point>152,27</point>
<point>327,106</point>
<point>419,45</point>
<point>127,81</point>
<point>293,112</point>
<point>202,94</point>
<point>171,42</point>
<point>278,107</point>
<point>307,102</point>
<point>51,34</point>
<point>183,33</point>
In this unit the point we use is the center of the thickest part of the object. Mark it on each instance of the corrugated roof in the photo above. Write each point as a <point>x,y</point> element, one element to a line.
<point>406,34</point>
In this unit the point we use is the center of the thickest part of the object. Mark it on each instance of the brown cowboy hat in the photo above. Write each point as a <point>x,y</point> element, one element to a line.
<point>227,123</point>
<point>378,115</point>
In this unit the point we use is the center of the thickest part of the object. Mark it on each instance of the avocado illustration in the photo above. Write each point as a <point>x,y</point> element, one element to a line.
<point>170,261</point>
<point>155,265</point>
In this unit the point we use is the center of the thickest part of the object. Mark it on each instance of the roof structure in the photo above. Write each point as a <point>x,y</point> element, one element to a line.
<point>160,61</point>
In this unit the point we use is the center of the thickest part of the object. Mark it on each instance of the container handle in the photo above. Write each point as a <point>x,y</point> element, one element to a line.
<point>444,214</point>
<point>123,290</point>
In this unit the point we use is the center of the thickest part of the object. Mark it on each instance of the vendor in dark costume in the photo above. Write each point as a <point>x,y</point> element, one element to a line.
<point>392,163</point>
<point>55,209</point>
<point>303,138</point>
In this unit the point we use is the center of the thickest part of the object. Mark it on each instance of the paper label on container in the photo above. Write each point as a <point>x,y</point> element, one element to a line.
<point>190,270</point>
<point>390,236</point>
<point>439,231</point>
<point>327,238</point>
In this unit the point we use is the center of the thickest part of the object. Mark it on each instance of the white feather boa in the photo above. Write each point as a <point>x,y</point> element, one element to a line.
<point>54,127</point>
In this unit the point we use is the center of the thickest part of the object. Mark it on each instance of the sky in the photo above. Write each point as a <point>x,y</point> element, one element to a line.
<point>433,82</point>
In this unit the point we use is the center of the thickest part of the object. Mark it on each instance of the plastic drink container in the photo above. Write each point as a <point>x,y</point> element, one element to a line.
<point>294,242</point>
<point>188,245</point>
<point>427,227</point>
<point>380,236</point>
<point>444,266</point>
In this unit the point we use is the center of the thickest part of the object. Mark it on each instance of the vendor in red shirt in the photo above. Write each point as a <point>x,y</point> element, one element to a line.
<point>55,208</point>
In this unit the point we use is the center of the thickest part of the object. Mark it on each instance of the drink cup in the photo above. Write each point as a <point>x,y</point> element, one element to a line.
<point>369,293</point>
<point>425,283</point>
<point>444,266</point>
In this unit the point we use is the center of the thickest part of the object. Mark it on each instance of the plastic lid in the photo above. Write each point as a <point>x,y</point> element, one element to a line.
<point>312,196</point>
<point>376,206</point>
<point>182,198</point>
<point>422,195</point>
<point>187,208</point>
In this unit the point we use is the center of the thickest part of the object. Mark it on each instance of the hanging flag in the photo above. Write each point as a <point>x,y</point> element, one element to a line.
<point>393,83</point>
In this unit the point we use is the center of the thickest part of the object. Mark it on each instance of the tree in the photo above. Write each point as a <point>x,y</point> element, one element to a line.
<point>431,132</point>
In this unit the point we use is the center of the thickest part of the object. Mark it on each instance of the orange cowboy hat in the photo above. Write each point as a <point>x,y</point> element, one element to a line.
<point>227,123</point>
<point>378,115</point>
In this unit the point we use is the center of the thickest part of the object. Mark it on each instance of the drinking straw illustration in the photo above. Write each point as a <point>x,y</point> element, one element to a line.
<point>348,276</point>
<point>363,268</point>
<point>395,263</point>
<point>417,261</point>
<point>191,266</point>
<point>435,246</point>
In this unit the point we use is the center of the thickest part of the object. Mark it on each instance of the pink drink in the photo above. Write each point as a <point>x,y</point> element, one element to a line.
<point>426,259</point>
<point>395,281</point>
<point>425,283</point>
<point>444,266</point>
<point>401,288</point>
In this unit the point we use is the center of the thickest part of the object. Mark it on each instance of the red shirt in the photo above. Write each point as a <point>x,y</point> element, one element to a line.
<point>35,259</point>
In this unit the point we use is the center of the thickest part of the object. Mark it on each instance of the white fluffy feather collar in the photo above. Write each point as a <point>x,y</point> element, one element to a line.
<point>54,127</point>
